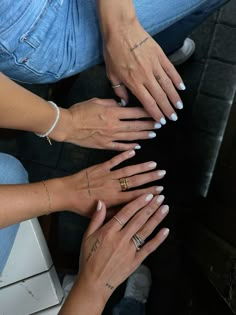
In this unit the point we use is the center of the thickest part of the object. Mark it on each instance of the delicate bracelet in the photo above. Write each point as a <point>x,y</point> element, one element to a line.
<point>53,125</point>
<point>48,197</point>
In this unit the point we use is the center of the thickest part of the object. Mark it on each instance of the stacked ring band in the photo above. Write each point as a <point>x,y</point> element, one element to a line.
<point>138,241</point>
<point>119,221</point>
<point>115,86</point>
<point>123,184</point>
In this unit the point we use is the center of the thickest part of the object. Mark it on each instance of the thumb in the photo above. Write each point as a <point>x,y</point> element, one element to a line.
<point>97,218</point>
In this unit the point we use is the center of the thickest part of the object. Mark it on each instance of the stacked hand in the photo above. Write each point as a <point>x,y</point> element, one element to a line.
<point>101,182</point>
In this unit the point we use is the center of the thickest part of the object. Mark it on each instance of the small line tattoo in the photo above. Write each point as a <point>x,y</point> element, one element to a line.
<point>93,249</point>
<point>89,191</point>
<point>109,286</point>
<point>139,44</point>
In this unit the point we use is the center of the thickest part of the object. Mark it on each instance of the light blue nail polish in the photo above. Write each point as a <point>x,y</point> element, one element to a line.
<point>163,121</point>
<point>179,105</point>
<point>173,117</point>
<point>123,102</point>
<point>182,86</point>
<point>138,147</point>
<point>157,126</point>
<point>152,134</point>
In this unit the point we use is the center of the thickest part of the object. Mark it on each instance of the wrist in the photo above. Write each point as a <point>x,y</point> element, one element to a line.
<point>61,130</point>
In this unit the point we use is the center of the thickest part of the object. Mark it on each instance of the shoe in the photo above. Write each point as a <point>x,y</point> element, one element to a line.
<point>139,284</point>
<point>184,53</point>
<point>68,283</point>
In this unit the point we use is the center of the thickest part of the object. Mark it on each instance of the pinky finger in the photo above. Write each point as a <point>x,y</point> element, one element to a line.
<point>118,146</point>
<point>153,244</point>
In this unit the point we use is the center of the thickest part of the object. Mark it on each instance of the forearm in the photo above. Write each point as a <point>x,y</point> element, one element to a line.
<point>26,201</point>
<point>115,16</point>
<point>23,110</point>
<point>84,300</point>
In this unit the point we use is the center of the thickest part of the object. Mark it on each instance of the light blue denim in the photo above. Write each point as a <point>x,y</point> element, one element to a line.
<point>11,172</point>
<point>43,41</point>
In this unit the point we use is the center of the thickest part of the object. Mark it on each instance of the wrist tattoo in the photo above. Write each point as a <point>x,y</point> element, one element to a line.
<point>89,191</point>
<point>109,286</point>
<point>139,44</point>
<point>93,249</point>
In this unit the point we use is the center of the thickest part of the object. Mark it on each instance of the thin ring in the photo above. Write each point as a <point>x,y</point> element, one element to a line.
<point>123,184</point>
<point>138,241</point>
<point>115,86</point>
<point>119,221</point>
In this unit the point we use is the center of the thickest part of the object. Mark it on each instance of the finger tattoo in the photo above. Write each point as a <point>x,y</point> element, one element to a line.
<point>89,191</point>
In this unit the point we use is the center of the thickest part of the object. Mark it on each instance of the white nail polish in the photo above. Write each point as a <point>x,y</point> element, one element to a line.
<point>137,147</point>
<point>161,173</point>
<point>163,121</point>
<point>99,206</point>
<point>182,86</point>
<point>160,199</point>
<point>122,102</point>
<point>149,197</point>
<point>166,232</point>
<point>157,126</point>
<point>179,105</point>
<point>174,117</point>
<point>164,209</point>
<point>159,188</point>
<point>152,164</point>
<point>152,134</point>
<point>132,152</point>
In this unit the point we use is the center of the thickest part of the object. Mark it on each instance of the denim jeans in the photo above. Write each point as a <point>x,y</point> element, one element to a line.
<point>11,172</point>
<point>44,41</point>
<point>129,306</point>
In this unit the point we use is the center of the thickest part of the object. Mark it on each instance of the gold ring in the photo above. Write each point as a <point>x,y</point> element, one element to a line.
<point>119,221</point>
<point>123,184</point>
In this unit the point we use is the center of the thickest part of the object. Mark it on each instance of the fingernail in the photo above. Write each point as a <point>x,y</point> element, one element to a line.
<point>161,173</point>
<point>132,152</point>
<point>99,206</point>
<point>152,164</point>
<point>163,121</point>
<point>180,105</point>
<point>149,197</point>
<point>157,126</point>
<point>160,199</point>
<point>173,117</point>
<point>137,147</point>
<point>159,188</point>
<point>166,232</point>
<point>152,134</point>
<point>122,102</point>
<point>164,209</point>
<point>182,86</point>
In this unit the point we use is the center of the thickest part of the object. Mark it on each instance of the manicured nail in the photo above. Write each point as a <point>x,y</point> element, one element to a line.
<point>152,134</point>
<point>174,117</point>
<point>99,206</point>
<point>166,232</point>
<point>182,86</point>
<point>160,199</point>
<point>149,197</point>
<point>137,147</point>
<point>152,164</point>
<point>164,209</point>
<point>157,126</point>
<point>161,173</point>
<point>163,121</point>
<point>131,153</point>
<point>159,188</point>
<point>122,102</point>
<point>180,105</point>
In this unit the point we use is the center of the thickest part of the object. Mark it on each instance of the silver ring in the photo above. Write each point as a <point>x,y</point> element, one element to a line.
<point>115,86</point>
<point>121,223</point>
<point>138,241</point>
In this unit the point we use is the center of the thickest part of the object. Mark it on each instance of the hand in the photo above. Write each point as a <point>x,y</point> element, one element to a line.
<point>144,70</point>
<point>98,123</point>
<point>100,182</point>
<point>108,254</point>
